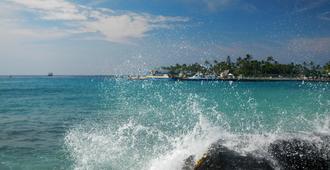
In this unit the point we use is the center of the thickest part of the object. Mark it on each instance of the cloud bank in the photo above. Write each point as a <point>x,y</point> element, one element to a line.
<point>107,24</point>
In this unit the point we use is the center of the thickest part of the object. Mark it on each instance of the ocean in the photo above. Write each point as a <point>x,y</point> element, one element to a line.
<point>100,122</point>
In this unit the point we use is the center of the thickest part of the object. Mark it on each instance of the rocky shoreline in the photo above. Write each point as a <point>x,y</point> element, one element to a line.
<point>291,154</point>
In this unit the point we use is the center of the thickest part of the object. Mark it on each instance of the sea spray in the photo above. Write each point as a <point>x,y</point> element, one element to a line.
<point>194,143</point>
<point>148,128</point>
<point>97,149</point>
<point>99,122</point>
<point>132,145</point>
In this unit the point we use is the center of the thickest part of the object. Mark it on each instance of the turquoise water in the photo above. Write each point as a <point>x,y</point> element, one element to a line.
<point>106,123</point>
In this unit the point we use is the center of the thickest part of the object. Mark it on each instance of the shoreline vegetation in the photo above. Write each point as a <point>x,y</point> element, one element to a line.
<point>243,69</point>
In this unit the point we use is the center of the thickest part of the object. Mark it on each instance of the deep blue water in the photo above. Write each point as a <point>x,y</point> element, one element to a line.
<point>98,122</point>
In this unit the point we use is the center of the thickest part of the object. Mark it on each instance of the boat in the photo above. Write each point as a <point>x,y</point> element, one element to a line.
<point>152,75</point>
<point>136,77</point>
<point>199,76</point>
<point>158,75</point>
<point>50,74</point>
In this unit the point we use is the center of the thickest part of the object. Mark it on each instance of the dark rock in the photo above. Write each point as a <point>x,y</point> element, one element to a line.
<point>220,157</point>
<point>189,163</point>
<point>292,154</point>
<point>297,154</point>
<point>325,149</point>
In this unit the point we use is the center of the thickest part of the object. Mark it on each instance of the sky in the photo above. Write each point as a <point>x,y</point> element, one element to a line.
<point>93,37</point>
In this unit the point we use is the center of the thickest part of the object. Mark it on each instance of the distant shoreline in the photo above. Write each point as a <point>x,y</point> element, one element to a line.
<point>256,79</point>
<point>245,79</point>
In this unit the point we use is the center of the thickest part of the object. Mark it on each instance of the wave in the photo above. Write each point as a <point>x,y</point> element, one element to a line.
<point>258,145</point>
<point>133,146</point>
<point>152,131</point>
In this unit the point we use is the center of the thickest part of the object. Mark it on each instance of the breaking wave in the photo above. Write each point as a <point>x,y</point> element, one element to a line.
<point>158,139</point>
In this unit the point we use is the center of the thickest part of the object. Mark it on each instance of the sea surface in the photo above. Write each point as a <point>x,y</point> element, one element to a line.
<point>99,122</point>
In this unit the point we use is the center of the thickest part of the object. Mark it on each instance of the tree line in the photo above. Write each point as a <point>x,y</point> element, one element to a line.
<point>249,67</point>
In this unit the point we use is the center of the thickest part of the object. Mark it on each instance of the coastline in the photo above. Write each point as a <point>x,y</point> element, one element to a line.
<point>257,79</point>
<point>246,79</point>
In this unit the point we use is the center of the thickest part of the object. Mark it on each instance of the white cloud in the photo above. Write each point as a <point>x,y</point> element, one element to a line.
<point>310,46</point>
<point>325,16</point>
<point>305,5</point>
<point>120,28</point>
<point>53,9</point>
<point>220,5</point>
<point>214,5</point>
<point>39,34</point>
<point>114,26</point>
<point>47,5</point>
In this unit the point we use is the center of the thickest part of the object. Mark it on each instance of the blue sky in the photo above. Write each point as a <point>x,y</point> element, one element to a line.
<point>122,37</point>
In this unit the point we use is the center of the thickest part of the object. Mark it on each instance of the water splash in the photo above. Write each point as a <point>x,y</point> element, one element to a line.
<point>160,129</point>
<point>195,143</point>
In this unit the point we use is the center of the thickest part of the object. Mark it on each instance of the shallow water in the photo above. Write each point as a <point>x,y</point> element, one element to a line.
<point>106,123</point>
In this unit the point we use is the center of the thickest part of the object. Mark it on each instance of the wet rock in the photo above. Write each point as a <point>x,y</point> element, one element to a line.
<point>291,154</point>
<point>325,149</point>
<point>222,158</point>
<point>297,154</point>
<point>189,163</point>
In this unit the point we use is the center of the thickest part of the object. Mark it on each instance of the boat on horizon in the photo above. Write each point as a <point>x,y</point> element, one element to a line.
<point>153,75</point>
<point>200,76</point>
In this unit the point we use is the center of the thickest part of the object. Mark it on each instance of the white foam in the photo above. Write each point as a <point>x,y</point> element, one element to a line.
<point>195,143</point>
<point>204,134</point>
<point>132,145</point>
<point>104,148</point>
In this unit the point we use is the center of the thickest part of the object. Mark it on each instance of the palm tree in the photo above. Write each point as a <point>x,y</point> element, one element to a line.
<point>207,63</point>
<point>228,60</point>
<point>248,57</point>
<point>326,67</point>
<point>239,59</point>
<point>311,65</point>
<point>270,59</point>
<point>304,64</point>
